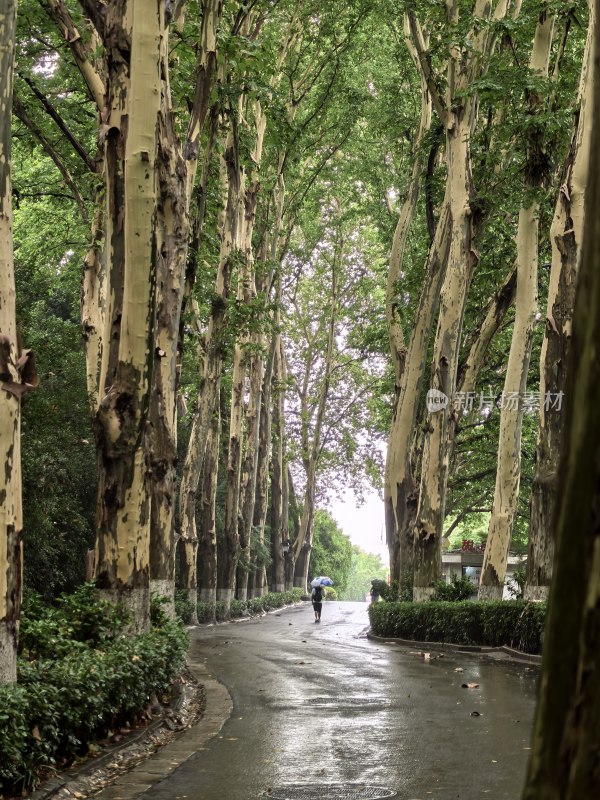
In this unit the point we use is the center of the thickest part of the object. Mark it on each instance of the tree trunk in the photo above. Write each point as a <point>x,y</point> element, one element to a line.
<point>172,240</point>
<point>564,757</point>
<point>459,115</point>
<point>461,260</point>
<point>207,550</point>
<point>177,174</point>
<point>566,234</point>
<point>122,548</point>
<point>11,512</point>
<point>262,473</point>
<point>279,521</point>
<point>508,473</point>
<point>215,344</point>
<point>401,490</point>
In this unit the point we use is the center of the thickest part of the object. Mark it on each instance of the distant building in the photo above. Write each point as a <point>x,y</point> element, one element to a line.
<point>467,563</point>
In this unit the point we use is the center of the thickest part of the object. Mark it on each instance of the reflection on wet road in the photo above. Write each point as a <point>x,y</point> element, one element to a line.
<point>322,704</point>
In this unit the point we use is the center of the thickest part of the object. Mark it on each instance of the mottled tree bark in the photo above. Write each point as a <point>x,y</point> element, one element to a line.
<point>215,348</point>
<point>566,234</point>
<point>508,473</point>
<point>564,757</point>
<point>11,512</point>
<point>132,42</point>
<point>279,517</point>
<point>459,114</point>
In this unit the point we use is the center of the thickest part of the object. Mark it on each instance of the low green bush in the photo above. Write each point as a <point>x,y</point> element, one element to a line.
<point>184,608</point>
<point>491,624</point>
<point>458,589</point>
<point>239,608</point>
<point>208,612</point>
<point>86,687</point>
<point>330,593</point>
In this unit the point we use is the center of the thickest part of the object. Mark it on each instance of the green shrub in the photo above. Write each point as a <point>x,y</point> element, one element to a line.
<point>205,611</point>
<point>75,621</point>
<point>184,608</point>
<point>239,608</point>
<point>86,687</point>
<point>330,593</point>
<point>492,624</point>
<point>458,589</point>
<point>255,605</point>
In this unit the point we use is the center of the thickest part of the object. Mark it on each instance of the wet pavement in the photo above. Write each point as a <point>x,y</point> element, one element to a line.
<point>321,704</point>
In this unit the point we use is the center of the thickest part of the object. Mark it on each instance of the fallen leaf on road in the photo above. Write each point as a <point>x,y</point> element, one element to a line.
<point>475,714</point>
<point>458,669</point>
<point>469,686</point>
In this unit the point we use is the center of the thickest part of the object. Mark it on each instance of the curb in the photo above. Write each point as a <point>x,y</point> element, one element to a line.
<point>191,627</point>
<point>134,782</point>
<point>53,785</point>
<point>512,654</point>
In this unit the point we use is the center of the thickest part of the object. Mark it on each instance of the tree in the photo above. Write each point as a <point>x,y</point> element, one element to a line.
<point>133,88</point>
<point>363,569</point>
<point>508,472</point>
<point>11,514</point>
<point>564,763</point>
<point>566,234</point>
<point>331,552</point>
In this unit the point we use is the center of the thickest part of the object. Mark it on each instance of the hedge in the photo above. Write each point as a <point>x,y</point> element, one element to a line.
<point>97,680</point>
<point>512,623</point>
<point>254,606</point>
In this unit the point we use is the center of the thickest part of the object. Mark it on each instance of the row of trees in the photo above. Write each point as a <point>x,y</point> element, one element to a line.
<point>197,148</point>
<point>268,198</point>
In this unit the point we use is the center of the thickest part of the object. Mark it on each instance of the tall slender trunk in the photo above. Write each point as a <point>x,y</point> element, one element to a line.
<point>461,261</point>
<point>215,345</point>
<point>566,235</point>
<point>508,471</point>
<point>279,519</point>
<point>177,168</point>
<point>261,503</point>
<point>172,240</point>
<point>459,114</point>
<point>207,545</point>
<point>398,473</point>
<point>311,440</point>
<point>401,489</point>
<point>564,753</point>
<point>11,512</point>
<point>132,42</point>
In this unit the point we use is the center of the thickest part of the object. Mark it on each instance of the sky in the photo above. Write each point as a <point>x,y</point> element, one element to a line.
<point>363,524</point>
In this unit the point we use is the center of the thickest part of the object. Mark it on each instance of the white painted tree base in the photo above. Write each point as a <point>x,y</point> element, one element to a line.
<point>8,656</point>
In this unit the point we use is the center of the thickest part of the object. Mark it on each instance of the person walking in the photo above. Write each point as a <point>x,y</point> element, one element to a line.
<point>316,597</point>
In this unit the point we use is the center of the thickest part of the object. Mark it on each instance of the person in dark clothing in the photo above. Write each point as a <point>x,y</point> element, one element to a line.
<point>317,601</point>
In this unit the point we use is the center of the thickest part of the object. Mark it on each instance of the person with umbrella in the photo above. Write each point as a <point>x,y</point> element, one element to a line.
<point>316,595</point>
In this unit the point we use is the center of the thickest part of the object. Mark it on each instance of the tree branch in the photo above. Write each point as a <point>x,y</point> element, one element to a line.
<point>95,11</point>
<point>53,113</point>
<point>59,14</point>
<point>426,68</point>
<point>50,150</point>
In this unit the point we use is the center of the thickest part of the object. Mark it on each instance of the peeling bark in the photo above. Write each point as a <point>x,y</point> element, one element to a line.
<point>11,511</point>
<point>566,235</point>
<point>279,505</point>
<point>459,114</point>
<point>215,344</point>
<point>564,758</point>
<point>508,473</point>
<point>132,42</point>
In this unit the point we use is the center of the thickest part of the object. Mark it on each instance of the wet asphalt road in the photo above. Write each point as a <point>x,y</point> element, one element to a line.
<point>321,704</point>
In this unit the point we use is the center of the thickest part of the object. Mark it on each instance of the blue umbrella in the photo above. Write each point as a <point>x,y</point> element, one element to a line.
<point>322,580</point>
